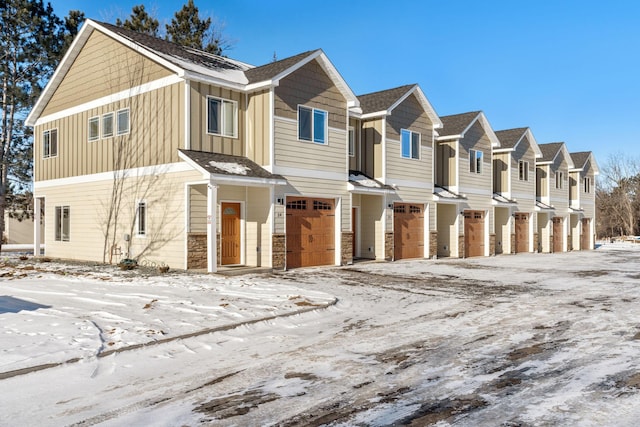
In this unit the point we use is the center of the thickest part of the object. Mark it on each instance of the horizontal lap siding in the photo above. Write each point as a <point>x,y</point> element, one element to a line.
<point>588,200</point>
<point>523,191</point>
<point>476,139</point>
<point>88,204</point>
<point>290,152</point>
<point>156,122</point>
<point>200,140</point>
<point>559,198</point>
<point>103,67</point>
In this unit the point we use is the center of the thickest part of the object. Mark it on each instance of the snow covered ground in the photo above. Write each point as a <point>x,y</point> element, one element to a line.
<point>528,339</point>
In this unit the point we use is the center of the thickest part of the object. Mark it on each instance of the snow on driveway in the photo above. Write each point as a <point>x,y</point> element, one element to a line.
<point>530,339</point>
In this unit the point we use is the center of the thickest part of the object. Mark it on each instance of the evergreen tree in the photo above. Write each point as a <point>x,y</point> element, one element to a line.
<point>140,21</point>
<point>72,24</point>
<point>187,28</point>
<point>32,40</point>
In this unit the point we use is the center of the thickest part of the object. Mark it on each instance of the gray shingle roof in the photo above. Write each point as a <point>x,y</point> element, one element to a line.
<point>510,137</point>
<point>550,151</point>
<point>224,164</point>
<point>580,158</point>
<point>382,100</point>
<point>268,71</point>
<point>455,124</point>
<point>175,50</point>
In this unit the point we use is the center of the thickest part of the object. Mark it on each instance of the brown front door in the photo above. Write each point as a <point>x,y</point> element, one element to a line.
<point>522,232</point>
<point>557,234</point>
<point>585,238</point>
<point>473,233</point>
<point>230,234</point>
<point>310,232</point>
<point>408,231</point>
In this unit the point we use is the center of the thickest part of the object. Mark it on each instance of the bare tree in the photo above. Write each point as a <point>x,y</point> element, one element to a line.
<point>617,199</point>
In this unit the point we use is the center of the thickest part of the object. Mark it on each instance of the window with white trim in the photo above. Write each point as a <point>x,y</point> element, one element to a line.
<point>410,144</point>
<point>312,124</point>
<point>94,128</point>
<point>523,170</point>
<point>49,143</point>
<point>352,142</point>
<point>586,182</point>
<point>123,121</point>
<point>559,180</point>
<point>62,219</point>
<point>107,125</point>
<point>475,161</point>
<point>141,218</point>
<point>222,117</point>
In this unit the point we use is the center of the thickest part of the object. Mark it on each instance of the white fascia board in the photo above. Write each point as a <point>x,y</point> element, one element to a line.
<point>267,84</point>
<point>567,156</point>
<point>60,72</point>
<point>376,114</point>
<point>367,190</point>
<point>533,143</point>
<point>449,137</point>
<point>227,84</point>
<point>503,150</point>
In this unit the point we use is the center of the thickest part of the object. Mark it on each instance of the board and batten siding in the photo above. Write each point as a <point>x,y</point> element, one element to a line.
<point>156,132</point>
<point>200,139</point>
<point>446,174</point>
<point>501,172</point>
<point>165,240</point>
<point>542,182</point>
<point>371,158</point>
<point>103,67</point>
<point>310,86</point>
<point>258,129</point>
<point>355,162</point>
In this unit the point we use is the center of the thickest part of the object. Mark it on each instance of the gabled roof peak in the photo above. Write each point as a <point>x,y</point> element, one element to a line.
<point>456,125</point>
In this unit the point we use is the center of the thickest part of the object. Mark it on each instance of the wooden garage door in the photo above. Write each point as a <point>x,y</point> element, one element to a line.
<point>310,232</point>
<point>473,233</point>
<point>557,234</point>
<point>522,232</point>
<point>408,231</point>
<point>585,238</point>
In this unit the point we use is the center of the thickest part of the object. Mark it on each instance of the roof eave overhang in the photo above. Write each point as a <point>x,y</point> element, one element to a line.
<point>202,78</point>
<point>356,189</point>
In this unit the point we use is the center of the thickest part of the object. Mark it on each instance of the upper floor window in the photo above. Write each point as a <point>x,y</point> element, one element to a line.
<point>107,125</point>
<point>123,121</point>
<point>49,143</point>
<point>410,142</point>
<point>222,117</point>
<point>62,219</point>
<point>523,170</point>
<point>559,180</point>
<point>94,128</point>
<point>475,161</point>
<point>586,182</point>
<point>312,124</point>
<point>352,142</point>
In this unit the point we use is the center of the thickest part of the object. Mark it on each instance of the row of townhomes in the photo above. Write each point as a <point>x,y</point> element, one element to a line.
<point>146,149</point>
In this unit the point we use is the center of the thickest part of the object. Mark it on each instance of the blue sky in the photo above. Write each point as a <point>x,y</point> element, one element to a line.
<point>567,69</point>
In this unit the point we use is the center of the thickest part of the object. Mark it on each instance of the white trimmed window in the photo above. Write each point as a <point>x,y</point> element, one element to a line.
<point>222,117</point>
<point>312,124</point>
<point>62,219</point>
<point>141,218</point>
<point>49,143</point>
<point>352,141</point>
<point>559,180</point>
<point>586,183</point>
<point>107,125</point>
<point>123,121</point>
<point>523,170</point>
<point>94,128</point>
<point>475,161</point>
<point>410,144</point>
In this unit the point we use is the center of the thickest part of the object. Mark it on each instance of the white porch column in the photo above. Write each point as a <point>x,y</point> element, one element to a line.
<point>212,228</point>
<point>37,217</point>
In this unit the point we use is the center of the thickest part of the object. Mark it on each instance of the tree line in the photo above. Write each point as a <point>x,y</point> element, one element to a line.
<point>618,197</point>
<point>33,40</point>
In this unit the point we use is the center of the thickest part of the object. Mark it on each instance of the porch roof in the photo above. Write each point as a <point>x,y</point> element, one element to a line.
<point>543,206</point>
<point>232,170</point>
<point>362,183</point>
<point>500,199</point>
<point>444,194</point>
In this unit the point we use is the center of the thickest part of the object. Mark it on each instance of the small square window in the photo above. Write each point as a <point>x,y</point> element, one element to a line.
<point>222,117</point>
<point>312,124</point>
<point>49,143</point>
<point>410,144</point>
<point>94,128</point>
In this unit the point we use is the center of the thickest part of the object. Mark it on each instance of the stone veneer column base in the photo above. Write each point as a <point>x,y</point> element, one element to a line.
<point>346,255</point>
<point>461,246</point>
<point>536,247</point>
<point>196,251</point>
<point>513,243</point>
<point>278,251</point>
<point>388,246</point>
<point>492,244</point>
<point>433,244</point>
